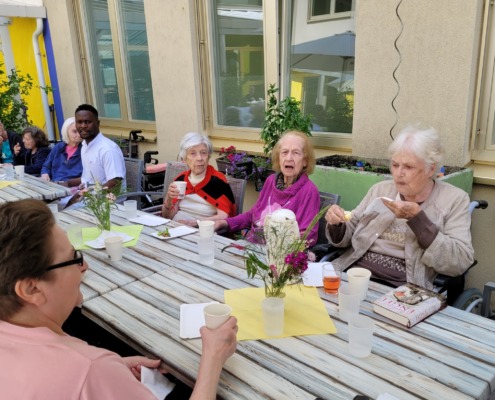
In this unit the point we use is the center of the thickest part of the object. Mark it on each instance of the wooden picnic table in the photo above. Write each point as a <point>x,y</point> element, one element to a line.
<point>31,187</point>
<point>451,355</point>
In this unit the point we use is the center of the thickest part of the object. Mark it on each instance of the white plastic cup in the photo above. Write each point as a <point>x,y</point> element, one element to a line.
<point>9,172</point>
<point>273,315</point>
<point>182,188</point>
<point>19,171</point>
<point>206,228</point>
<point>348,303</point>
<point>360,335</point>
<point>358,279</point>
<point>54,209</point>
<point>113,245</point>
<point>130,208</point>
<point>216,314</point>
<point>206,250</point>
<point>75,235</point>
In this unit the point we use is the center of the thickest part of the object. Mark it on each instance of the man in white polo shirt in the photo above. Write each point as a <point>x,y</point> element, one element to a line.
<point>102,159</point>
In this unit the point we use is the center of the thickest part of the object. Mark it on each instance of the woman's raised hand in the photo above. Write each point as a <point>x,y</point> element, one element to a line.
<point>335,215</point>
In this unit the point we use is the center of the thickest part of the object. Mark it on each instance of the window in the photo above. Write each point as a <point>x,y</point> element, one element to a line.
<point>119,78</point>
<point>251,44</point>
<point>237,58</point>
<point>321,70</point>
<point>484,146</point>
<point>325,9</point>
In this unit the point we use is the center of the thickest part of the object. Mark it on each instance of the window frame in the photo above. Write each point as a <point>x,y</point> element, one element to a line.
<point>125,122</point>
<point>483,135</point>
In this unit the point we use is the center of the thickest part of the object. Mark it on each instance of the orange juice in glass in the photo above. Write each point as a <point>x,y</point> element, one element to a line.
<point>331,279</point>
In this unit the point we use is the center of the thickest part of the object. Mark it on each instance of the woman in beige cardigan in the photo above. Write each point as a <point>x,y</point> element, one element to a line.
<point>411,228</point>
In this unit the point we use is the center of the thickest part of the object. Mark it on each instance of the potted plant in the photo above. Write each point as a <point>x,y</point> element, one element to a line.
<point>280,117</point>
<point>244,166</point>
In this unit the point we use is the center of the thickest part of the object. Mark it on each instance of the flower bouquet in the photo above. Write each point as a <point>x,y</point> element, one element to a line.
<point>284,256</point>
<point>100,200</point>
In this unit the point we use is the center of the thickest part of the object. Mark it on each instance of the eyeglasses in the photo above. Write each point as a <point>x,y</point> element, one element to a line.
<point>78,259</point>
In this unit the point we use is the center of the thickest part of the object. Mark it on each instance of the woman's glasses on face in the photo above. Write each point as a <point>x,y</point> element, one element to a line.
<point>78,259</point>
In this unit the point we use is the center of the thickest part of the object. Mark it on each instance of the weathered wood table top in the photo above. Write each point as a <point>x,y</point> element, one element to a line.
<point>450,356</point>
<point>31,187</point>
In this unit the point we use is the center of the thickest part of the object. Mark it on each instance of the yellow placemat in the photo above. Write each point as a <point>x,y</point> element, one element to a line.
<point>4,184</point>
<point>93,233</point>
<point>305,313</point>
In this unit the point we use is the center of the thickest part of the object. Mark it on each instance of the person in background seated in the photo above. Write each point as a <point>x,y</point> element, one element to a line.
<point>293,158</point>
<point>421,228</point>
<point>63,165</point>
<point>102,159</point>
<point>40,277</point>
<point>35,153</point>
<point>8,140</point>
<point>208,195</point>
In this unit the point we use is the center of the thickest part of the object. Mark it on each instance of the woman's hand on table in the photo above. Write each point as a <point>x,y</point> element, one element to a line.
<point>220,225</point>
<point>189,222</point>
<point>134,363</point>
<point>45,177</point>
<point>403,209</point>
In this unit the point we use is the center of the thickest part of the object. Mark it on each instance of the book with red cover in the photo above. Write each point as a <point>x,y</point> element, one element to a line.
<point>409,304</point>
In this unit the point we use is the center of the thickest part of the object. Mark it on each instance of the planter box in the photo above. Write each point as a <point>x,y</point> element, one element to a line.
<point>352,183</point>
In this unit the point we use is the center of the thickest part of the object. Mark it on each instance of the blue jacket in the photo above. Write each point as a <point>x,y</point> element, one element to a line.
<point>61,169</point>
<point>32,162</point>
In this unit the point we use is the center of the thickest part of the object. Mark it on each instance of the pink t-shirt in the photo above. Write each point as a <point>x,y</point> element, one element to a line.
<point>39,364</point>
<point>70,150</point>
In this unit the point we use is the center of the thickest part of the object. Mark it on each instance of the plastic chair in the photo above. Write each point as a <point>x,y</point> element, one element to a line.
<point>238,187</point>
<point>133,174</point>
<point>173,169</point>
<point>322,246</point>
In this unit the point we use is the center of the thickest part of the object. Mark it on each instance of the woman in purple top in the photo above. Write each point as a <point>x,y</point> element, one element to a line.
<point>293,158</point>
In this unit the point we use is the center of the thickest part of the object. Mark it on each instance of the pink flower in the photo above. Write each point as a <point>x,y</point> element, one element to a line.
<point>273,268</point>
<point>111,197</point>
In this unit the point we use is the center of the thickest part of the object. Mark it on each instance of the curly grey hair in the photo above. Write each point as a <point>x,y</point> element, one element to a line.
<point>192,139</point>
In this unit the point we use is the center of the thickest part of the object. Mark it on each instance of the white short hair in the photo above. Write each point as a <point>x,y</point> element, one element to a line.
<point>192,139</point>
<point>65,128</point>
<point>423,143</point>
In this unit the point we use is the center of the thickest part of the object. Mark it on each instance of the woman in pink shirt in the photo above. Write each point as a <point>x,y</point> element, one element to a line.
<point>40,277</point>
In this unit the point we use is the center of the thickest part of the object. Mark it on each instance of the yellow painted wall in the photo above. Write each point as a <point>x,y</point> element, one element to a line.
<point>21,33</point>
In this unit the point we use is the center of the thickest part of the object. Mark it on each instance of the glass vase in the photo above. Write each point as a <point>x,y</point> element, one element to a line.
<point>273,315</point>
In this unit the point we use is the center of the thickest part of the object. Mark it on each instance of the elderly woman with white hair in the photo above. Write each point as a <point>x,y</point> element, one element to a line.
<point>208,195</point>
<point>64,165</point>
<point>411,228</point>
